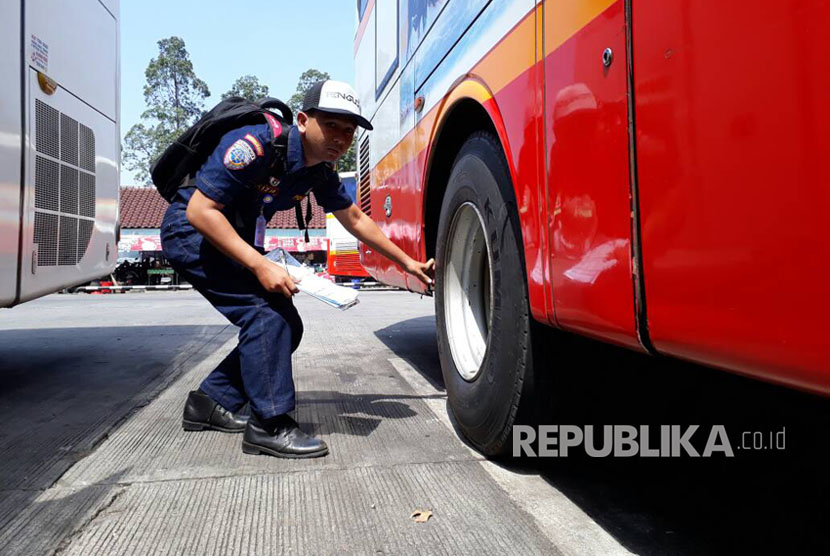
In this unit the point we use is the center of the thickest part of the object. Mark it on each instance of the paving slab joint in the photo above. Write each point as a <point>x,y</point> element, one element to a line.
<point>67,540</point>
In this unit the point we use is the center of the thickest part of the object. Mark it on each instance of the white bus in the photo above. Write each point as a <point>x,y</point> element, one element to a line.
<point>59,144</point>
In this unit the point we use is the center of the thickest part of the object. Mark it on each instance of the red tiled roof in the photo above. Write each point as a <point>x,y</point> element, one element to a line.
<point>143,207</point>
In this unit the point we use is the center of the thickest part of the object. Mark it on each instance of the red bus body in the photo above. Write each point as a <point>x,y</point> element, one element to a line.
<point>668,160</point>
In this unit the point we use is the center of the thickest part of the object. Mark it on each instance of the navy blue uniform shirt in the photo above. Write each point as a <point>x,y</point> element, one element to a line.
<point>238,174</point>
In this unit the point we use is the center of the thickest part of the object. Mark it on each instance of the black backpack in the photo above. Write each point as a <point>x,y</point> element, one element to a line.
<point>181,160</point>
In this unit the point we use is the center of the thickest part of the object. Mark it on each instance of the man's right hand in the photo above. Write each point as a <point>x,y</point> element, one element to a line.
<point>275,279</point>
<point>206,216</point>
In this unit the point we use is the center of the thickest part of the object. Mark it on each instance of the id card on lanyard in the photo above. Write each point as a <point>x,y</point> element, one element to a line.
<point>259,233</point>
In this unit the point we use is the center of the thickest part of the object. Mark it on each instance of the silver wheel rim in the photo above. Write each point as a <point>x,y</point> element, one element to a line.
<point>467,291</point>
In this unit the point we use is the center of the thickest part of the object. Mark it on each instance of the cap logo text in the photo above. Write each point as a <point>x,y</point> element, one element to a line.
<point>344,96</point>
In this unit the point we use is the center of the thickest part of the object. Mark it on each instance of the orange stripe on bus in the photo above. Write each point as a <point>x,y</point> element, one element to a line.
<point>507,60</point>
<point>564,19</point>
<point>511,57</point>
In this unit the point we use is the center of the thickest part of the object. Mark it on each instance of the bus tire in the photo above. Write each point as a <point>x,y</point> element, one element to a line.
<point>482,312</point>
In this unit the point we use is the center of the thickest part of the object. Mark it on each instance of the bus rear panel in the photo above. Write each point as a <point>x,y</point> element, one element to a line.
<point>59,145</point>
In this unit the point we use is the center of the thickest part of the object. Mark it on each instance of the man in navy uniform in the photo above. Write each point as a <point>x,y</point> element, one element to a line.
<point>213,235</point>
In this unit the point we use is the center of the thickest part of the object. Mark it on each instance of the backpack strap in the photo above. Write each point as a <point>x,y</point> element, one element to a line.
<point>276,126</point>
<point>279,144</point>
<point>270,102</point>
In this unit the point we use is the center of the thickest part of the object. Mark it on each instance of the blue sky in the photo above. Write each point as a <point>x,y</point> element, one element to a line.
<point>276,41</point>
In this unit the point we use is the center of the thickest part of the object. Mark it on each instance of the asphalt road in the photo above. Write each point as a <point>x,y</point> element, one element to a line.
<point>93,460</point>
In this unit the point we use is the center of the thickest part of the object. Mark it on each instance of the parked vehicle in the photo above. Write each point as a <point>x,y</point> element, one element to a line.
<point>647,173</point>
<point>59,145</point>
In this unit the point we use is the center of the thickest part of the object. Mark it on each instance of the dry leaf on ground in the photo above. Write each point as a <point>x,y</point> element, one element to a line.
<point>421,516</point>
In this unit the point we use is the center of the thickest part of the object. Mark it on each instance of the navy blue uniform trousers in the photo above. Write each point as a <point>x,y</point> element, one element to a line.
<point>258,369</point>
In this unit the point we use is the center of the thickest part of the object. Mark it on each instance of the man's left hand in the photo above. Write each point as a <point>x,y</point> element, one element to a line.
<point>422,271</point>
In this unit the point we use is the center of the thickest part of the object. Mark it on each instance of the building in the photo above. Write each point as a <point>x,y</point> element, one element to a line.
<point>142,209</point>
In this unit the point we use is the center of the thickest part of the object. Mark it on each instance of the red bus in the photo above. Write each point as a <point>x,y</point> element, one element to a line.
<point>651,174</point>
<point>343,257</point>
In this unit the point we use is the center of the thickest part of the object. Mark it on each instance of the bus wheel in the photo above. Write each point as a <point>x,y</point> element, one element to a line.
<point>482,315</point>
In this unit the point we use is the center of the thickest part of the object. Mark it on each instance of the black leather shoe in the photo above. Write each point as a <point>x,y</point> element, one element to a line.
<point>288,441</point>
<point>201,412</point>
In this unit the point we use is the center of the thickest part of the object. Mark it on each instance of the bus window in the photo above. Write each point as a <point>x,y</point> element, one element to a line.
<point>386,53</point>
<point>361,8</point>
<point>421,16</point>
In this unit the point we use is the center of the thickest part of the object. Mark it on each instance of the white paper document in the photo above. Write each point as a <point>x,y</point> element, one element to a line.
<point>320,288</point>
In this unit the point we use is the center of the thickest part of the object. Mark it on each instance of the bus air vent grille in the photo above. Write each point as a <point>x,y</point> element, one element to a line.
<point>68,244</point>
<point>47,178</point>
<point>87,195</point>
<point>69,190</point>
<point>46,129</point>
<point>64,184</point>
<point>87,149</point>
<point>46,232</point>
<point>69,140</point>
<point>365,174</point>
<point>84,234</point>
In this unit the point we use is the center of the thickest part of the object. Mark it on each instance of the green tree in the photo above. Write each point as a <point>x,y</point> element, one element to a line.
<point>347,162</point>
<point>174,98</point>
<point>247,87</point>
<point>307,79</point>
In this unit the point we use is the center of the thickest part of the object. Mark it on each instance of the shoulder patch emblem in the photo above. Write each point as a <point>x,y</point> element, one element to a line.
<point>257,145</point>
<point>239,155</point>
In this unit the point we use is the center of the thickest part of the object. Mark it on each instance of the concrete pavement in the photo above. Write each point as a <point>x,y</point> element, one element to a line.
<point>93,459</point>
<point>107,469</point>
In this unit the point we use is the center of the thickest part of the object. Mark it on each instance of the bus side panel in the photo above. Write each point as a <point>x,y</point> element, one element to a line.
<point>78,48</point>
<point>512,72</point>
<point>70,208</point>
<point>588,165</point>
<point>10,130</point>
<point>112,6</point>
<point>386,185</point>
<point>364,67</point>
<point>499,53</point>
<point>732,141</point>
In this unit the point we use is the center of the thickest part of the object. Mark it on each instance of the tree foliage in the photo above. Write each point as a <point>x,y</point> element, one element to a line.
<point>247,87</point>
<point>347,161</point>
<point>174,98</point>
<point>307,79</point>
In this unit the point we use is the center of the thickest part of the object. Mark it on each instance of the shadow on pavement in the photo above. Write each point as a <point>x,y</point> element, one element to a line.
<point>357,415</point>
<point>414,341</point>
<point>64,389</point>
<point>758,501</point>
